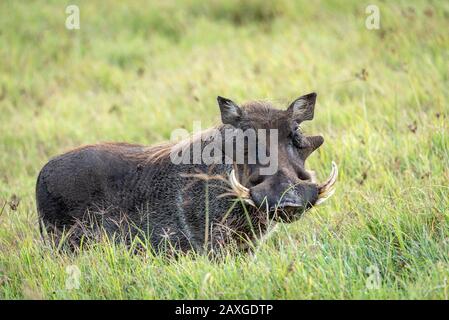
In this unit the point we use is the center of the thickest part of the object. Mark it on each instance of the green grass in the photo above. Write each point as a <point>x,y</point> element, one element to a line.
<point>134,73</point>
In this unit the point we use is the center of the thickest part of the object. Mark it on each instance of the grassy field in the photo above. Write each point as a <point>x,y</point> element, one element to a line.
<point>136,72</point>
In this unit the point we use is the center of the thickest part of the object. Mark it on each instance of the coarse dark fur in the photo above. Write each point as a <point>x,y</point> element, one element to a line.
<point>128,190</point>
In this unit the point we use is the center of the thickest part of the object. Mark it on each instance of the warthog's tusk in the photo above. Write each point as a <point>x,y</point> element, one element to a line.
<point>327,189</point>
<point>313,177</point>
<point>239,189</point>
<point>237,186</point>
<point>324,197</point>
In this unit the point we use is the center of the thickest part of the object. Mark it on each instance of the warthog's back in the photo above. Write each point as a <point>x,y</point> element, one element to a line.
<point>115,187</point>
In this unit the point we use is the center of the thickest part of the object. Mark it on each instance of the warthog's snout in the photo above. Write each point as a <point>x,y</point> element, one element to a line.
<point>286,201</point>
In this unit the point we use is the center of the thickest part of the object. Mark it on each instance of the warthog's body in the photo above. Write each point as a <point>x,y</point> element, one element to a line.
<point>127,190</point>
<point>115,187</point>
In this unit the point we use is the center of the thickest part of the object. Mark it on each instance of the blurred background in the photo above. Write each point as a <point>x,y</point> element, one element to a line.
<point>136,70</point>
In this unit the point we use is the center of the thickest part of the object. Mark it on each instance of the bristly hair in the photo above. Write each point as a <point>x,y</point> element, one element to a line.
<point>160,152</point>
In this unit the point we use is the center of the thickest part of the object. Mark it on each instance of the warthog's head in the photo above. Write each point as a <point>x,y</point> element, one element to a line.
<point>288,189</point>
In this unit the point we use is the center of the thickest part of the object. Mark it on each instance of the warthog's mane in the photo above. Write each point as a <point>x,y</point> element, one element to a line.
<point>262,110</point>
<point>160,152</point>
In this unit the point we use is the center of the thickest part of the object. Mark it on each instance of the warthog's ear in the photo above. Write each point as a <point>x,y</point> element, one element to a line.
<point>230,111</point>
<point>302,109</point>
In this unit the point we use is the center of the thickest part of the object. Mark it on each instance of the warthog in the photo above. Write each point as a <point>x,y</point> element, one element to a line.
<point>126,190</point>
